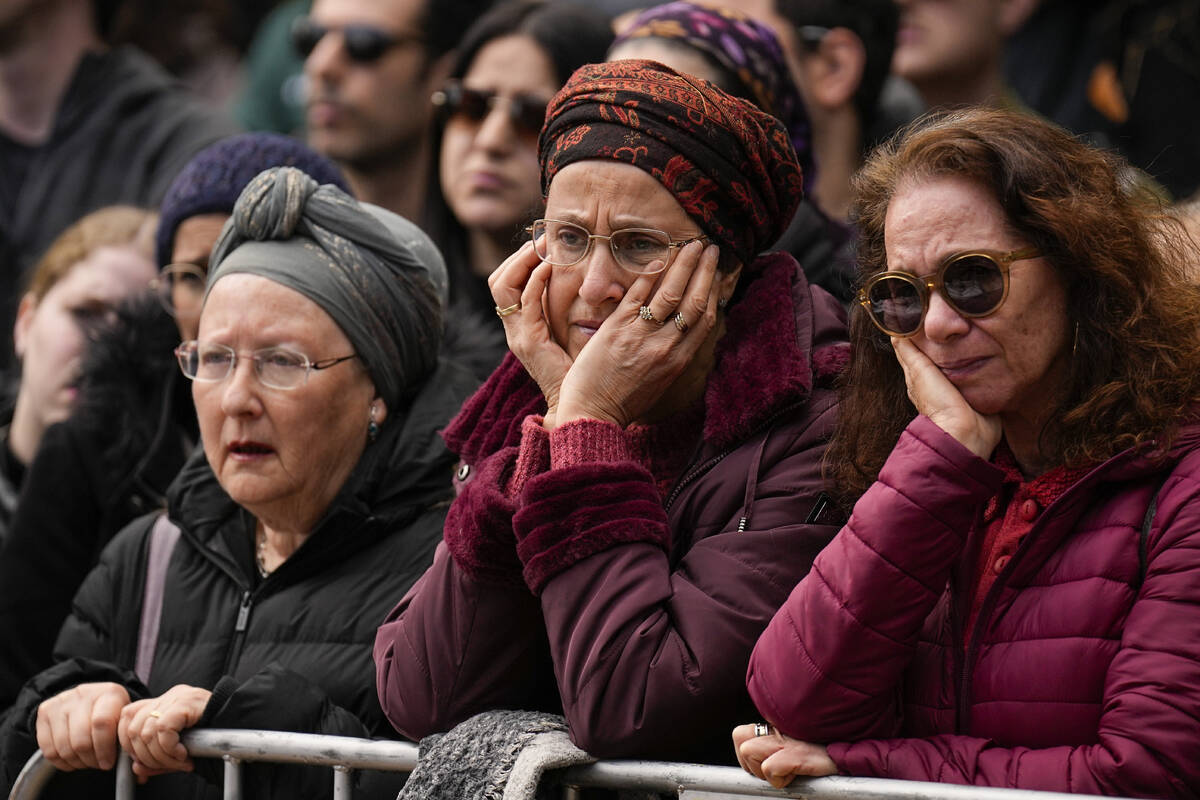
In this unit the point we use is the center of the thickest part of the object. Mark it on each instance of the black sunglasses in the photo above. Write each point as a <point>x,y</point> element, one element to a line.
<point>975,284</point>
<point>363,43</point>
<point>527,112</point>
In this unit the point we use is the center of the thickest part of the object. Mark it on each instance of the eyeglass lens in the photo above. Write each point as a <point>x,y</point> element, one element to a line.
<point>972,285</point>
<point>637,250</point>
<point>363,43</point>
<point>179,288</point>
<point>527,112</point>
<point>275,367</point>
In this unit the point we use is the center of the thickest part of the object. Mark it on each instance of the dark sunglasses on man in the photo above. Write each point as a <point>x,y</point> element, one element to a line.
<point>527,111</point>
<point>363,43</point>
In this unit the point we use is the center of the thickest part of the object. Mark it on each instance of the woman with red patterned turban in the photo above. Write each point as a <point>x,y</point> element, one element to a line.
<point>640,479</point>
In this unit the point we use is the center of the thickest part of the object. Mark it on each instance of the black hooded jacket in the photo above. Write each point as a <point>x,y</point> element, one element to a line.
<point>123,131</point>
<point>289,652</point>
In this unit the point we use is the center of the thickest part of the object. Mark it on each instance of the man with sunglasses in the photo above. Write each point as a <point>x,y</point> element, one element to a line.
<point>371,66</point>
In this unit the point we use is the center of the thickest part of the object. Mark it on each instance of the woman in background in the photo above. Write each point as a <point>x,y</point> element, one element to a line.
<point>743,57</point>
<point>511,62</point>
<point>75,288</point>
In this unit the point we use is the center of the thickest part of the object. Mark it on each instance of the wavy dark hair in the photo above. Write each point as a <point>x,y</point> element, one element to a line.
<point>1135,372</point>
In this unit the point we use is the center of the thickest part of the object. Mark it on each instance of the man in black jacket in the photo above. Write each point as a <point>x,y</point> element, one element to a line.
<point>81,127</point>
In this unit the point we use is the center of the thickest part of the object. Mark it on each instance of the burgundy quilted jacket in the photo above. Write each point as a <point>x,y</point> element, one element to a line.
<point>1082,673</point>
<point>588,594</point>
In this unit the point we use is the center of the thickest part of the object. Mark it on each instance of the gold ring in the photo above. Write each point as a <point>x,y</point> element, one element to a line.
<point>645,313</point>
<point>504,312</point>
<point>156,714</point>
<point>679,323</point>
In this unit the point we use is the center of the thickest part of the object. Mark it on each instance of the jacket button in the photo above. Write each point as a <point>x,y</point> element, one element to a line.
<point>463,472</point>
<point>1000,564</point>
<point>1029,510</point>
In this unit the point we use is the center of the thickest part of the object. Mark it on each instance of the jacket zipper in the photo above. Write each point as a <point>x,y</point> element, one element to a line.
<point>713,461</point>
<point>239,633</point>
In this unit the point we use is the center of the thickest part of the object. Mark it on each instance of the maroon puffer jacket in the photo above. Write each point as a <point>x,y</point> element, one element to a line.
<point>1083,671</point>
<point>638,619</point>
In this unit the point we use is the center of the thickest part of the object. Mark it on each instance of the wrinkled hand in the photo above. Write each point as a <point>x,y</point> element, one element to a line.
<point>778,759</point>
<point>77,729</point>
<point>630,362</point>
<point>149,730</point>
<point>522,278</point>
<point>937,398</point>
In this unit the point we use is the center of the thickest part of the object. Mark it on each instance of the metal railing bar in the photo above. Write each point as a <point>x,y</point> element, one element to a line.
<point>343,783</point>
<point>232,789</point>
<point>125,779</point>
<point>657,776</point>
<point>33,777</point>
<point>302,748</point>
<point>237,746</point>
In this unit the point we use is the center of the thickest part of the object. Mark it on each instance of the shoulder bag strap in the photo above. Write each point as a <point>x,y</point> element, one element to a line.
<point>163,537</point>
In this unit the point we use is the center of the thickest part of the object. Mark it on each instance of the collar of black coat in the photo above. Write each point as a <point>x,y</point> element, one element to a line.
<point>780,338</point>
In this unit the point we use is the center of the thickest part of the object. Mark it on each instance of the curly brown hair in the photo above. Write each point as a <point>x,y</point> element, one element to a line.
<point>1135,372</point>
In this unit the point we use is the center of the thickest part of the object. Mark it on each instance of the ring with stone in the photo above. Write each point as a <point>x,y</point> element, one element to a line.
<point>645,313</point>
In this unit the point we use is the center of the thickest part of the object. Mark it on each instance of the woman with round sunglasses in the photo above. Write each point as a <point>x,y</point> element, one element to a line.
<point>1013,599</point>
<point>640,480</point>
<point>511,62</point>
<point>317,498</point>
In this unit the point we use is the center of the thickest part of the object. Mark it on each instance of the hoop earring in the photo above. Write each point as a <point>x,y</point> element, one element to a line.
<point>372,426</point>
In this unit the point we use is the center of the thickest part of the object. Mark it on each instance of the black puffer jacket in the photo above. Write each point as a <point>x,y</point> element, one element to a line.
<point>302,659</point>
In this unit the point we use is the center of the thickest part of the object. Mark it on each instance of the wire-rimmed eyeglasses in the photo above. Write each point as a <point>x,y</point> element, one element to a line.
<point>276,367</point>
<point>180,288</point>
<point>644,251</point>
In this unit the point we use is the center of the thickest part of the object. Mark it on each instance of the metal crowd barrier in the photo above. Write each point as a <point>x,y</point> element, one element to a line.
<point>687,781</point>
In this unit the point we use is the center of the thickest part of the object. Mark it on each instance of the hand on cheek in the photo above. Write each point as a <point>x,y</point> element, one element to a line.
<point>937,398</point>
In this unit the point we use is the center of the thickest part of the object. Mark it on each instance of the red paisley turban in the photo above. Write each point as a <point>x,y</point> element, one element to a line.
<point>730,165</point>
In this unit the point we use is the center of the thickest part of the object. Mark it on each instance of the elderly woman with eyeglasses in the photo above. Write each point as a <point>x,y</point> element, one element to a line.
<point>133,423</point>
<point>1013,600</point>
<point>640,478</point>
<point>317,500</point>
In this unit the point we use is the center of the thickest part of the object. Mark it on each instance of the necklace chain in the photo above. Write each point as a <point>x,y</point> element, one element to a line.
<point>260,554</point>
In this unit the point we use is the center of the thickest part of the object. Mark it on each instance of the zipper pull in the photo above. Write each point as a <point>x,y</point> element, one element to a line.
<point>243,614</point>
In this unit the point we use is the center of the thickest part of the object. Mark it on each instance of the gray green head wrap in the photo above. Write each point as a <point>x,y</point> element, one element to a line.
<point>375,273</point>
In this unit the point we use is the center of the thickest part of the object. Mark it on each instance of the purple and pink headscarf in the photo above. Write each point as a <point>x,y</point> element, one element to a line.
<point>743,48</point>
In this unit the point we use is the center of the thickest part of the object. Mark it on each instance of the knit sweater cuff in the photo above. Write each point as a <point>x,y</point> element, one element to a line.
<point>588,441</point>
<point>533,455</point>
<point>569,514</point>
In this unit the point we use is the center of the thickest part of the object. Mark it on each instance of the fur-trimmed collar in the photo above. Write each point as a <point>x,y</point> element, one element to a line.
<point>780,338</point>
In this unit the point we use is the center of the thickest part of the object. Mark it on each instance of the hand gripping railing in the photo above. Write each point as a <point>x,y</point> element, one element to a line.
<point>345,754</point>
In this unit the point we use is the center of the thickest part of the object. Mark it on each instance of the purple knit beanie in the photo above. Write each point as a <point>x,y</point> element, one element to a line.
<point>211,182</point>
